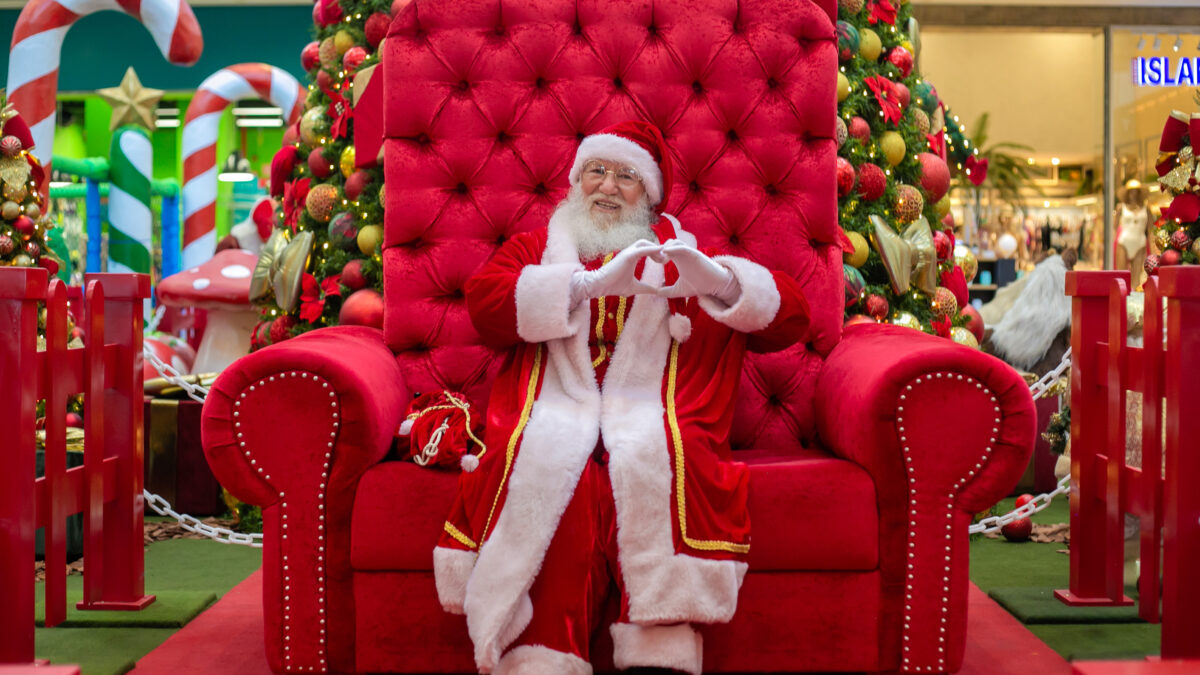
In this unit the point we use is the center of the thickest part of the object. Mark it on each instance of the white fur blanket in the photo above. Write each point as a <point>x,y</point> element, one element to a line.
<point>1038,315</point>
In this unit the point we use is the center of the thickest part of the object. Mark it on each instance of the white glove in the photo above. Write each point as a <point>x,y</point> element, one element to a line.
<point>699,275</point>
<point>617,276</point>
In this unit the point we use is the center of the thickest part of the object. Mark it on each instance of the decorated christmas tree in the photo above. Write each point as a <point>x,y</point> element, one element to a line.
<point>897,148</point>
<point>1177,231</point>
<point>321,266</point>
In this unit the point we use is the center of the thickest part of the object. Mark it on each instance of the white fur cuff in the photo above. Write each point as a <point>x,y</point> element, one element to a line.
<point>539,660</point>
<point>759,301</point>
<point>544,302</point>
<point>451,569</point>
<point>678,647</point>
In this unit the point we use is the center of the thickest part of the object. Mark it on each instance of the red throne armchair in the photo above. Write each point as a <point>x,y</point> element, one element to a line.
<point>869,449</point>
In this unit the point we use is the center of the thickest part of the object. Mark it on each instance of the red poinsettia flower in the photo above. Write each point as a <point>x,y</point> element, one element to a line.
<point>977,170</point>
<point>941,326</point>
<point>937,143</point>
<point>1184,209</point>
<point>339,110</point>
<point>332,285</point>
<point>312,302</point>
<point>885,95</point>
<point>882,10</point>
<point>294,194</point>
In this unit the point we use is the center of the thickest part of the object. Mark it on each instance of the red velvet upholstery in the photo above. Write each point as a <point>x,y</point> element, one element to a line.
<point>869,451</point>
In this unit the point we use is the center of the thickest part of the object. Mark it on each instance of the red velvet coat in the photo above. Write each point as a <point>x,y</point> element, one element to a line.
<point>663,413</point>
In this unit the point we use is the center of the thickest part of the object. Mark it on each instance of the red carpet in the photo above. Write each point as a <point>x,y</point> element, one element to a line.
<point>228,639</point>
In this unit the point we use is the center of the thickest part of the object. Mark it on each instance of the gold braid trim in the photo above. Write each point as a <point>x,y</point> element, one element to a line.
<point>459,536</point>
<point>600,322</point>
<point>680,497</point>
<point>510,451</point>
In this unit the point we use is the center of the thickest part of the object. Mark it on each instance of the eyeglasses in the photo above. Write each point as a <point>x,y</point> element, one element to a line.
<point>594,172</point>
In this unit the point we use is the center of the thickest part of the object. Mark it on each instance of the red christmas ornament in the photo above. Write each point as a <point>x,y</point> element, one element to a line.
<point>935,176</point>
<point>845,176</point>
<point>291,135</point>
<point>860,129</point>
<point>1151,264</point>
<point>330,12</point>
<point>1169,257</point>
<point>1018,530</point>
<point>74,420</point>
<point>10,145</point>
<point>1023,500</point>
<point>376,28</point>
<point>1180,240</point>
<point>281,328</point>
<point>859,318</point>
<point>902,59</point>
<point>320,167</point>
<point>324,80</point>
<point>352,275</point>
<point>974,322</point>
<point>871,181</point>
<point>353,58</point>
<point>363,308</point>
<point>903,95</point>
<point>310,56</point>
<point>23,224</point>
<point>6,244</point>
<point>33,249</point>
<point>877,306</point>
<point>356,183</point>
<point>944,246</point>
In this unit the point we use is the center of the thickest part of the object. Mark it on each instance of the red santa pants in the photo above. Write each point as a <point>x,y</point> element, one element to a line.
<point>579,573</point>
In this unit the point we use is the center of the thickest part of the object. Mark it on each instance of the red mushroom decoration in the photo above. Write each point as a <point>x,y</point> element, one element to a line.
<point>222,287</point>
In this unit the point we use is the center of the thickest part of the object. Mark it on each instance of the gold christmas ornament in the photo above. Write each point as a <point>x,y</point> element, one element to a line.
<point>10,210</point>
<point>911,256</point>
<point>942,206</point>
<point>907,320</point>
<point>892,144</point>
<point>861,250</point>
<point>944,304</point>
<point>964,258</point>
<point>343,41</point>
<point>16,192</point>
<point>33,211</point>
<point>843,87</point>
<point>869,44</point>
<point>370,237</point>
<point>312,126</point>
<point>346,161</point>
<point>131,102</point>
<point>1162,239</point>
<point>964,337</point>
<point>22,260</point>
<point>328,54</point>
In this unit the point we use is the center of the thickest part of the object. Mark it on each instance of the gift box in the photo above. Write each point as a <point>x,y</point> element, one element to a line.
<point>174,457</point>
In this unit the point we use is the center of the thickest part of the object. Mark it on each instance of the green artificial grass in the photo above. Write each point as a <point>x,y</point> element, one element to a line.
<point>1038,605</point>
<point>98,651</point>
<point>170,609</point>
<point>1099,642</point>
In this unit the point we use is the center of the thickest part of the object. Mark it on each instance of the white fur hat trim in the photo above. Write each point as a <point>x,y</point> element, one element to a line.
<point>617,149</point>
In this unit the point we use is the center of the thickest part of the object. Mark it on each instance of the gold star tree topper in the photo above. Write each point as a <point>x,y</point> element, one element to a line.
<point>132,103</point>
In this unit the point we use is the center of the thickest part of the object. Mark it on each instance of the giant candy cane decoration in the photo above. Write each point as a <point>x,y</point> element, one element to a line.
<point>244,80</point>
<point>37,47</point>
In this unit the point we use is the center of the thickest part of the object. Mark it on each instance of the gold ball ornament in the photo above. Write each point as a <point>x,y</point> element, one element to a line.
<point>869,44</point>
<point>861,250</point>
<point>312,126</point>
<point>328,55</point>
<point>907,320</point>
<point>1196,247</point>
<point>1162,239</point>
<point>320,202</point>
<point>33,211</point>
<point>944,304</point>
<point>382,195</point>
<point>964,337</point>
<point>920,118</point>
<point>343,41</point>
<point>10,210</point>
<point>964,258</point>
<point>346,161</point>
<point>370,237</point>
<point>892,144</point>
<point>15,191</point>
<point>843,87</point>
<point>22,260</point>
<point>909,203</point>
<point>942,206</point>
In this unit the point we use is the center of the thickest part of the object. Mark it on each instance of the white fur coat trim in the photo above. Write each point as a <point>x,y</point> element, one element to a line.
<point>1039,314</point>
<point>617,149</point>
<point>544,301</point>
<point>539,660</point>
<point>758,304</point>
<point>678,647</point>
<point>451,569</point>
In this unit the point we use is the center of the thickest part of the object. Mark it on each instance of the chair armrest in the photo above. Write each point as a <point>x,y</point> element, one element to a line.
<point>945,431</point>
<point>292,428</point>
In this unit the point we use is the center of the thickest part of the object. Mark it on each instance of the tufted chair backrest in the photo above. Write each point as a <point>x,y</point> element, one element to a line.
<point>487,100</point>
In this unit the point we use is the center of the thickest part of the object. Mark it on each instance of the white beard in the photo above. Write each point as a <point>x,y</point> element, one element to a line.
<point>594,236</point>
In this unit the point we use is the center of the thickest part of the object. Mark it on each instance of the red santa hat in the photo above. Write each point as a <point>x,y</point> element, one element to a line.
<point>634,143</point>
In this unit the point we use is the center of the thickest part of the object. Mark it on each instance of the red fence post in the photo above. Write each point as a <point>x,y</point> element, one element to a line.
<point>1181,499</point>
<point>1152,429</point>
<point>1095,570</point>
<point>20,290</point>
<point>122,577</point>
<point>53,507</point>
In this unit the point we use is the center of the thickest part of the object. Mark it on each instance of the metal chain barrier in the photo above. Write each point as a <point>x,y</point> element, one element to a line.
<point>994,523</point>
<point>191,524</point>
<point>194,390</point>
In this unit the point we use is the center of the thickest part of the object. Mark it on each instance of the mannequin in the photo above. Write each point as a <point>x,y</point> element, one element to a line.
<point>1133,221</point>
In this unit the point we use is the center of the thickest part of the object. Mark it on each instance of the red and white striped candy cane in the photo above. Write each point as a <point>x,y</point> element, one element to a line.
<point>200,125</point>
<point>37,48</point>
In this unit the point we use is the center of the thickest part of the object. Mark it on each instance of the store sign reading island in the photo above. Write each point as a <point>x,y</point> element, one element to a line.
<point>1164,71</point>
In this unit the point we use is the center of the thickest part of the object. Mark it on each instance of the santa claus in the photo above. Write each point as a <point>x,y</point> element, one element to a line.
<point>607,466</point>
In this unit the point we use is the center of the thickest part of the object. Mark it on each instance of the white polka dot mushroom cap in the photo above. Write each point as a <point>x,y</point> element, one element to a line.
<point>221,283</point>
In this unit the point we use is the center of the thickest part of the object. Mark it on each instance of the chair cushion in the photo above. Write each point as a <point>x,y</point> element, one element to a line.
<point>809,510</point>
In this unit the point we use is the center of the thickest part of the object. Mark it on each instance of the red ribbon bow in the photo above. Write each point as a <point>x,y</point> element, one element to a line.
<point>294,195</point>
<point>977,170</point>
<point>885,94</point>
<point>339,110</point>
<point>312,295</point>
